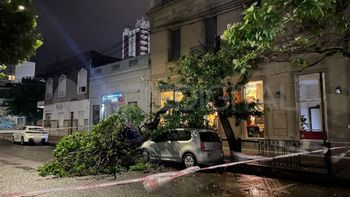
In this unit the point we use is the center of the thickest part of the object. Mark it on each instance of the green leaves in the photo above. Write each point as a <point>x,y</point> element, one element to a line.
<point>25,97</point>
<point>19,39</point>
<point>101,150</point>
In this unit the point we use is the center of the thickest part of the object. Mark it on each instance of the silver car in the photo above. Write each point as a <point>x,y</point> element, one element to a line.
<point>187,146</point>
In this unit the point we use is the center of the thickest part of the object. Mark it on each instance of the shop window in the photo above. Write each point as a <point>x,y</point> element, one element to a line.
<point>49,88</point>
<point>311,99</point>
<point>174,45</point>
<point>62,83</point>
<point>170,96</point>
<point>254,92</point>
<point>82,81</point>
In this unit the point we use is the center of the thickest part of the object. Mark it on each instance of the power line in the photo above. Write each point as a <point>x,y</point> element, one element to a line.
<point>235,5</point>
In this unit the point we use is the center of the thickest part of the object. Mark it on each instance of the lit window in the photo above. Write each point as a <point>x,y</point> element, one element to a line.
<point>82,81</point>
<point>169,96</point>
<point>12,77</point>
<point>49,88</point>
<point>254,92</point>
<point>62,83</point>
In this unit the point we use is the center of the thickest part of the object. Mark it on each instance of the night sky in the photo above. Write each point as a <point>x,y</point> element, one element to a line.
<point>71,27</point>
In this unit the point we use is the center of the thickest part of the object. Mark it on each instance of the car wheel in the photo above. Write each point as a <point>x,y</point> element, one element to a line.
<point>145,154</point>
<point>22,140</point>
<point>189,160</point>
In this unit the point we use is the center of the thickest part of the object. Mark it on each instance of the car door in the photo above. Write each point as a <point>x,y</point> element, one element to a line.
<point>21,133</point>
<point>16,134</point>
<point>158,145</point>
<point>172,146</point>
<point>163,146</point>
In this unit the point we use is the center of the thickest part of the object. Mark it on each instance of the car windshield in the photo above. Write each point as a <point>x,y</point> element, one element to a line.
<point>209,137</point>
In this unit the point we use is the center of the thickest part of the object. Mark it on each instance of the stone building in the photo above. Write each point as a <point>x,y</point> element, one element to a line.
<point>117,84</point>
<point>67,104</point>
<point>311,105</point>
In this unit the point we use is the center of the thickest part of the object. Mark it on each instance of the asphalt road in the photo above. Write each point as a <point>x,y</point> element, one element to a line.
<point>18,173</point>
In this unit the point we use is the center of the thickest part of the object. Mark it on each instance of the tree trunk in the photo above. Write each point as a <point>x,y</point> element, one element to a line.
<point>155,122</point>
<point>220,103</point>
<point>233,143</point>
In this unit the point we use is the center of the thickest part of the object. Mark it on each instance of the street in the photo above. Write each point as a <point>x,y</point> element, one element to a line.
<point>18,174</point>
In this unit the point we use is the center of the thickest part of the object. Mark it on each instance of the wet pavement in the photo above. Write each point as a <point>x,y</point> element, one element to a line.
<point>18,173</point>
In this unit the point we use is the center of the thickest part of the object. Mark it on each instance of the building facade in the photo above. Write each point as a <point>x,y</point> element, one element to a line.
<point>117,84</point>
<point>67,105</point>
<point>14,74</point>
<point>309,105</point>
<point>136,41</point>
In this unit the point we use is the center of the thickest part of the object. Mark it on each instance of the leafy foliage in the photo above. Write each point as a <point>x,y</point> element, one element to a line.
<point>289,31</point>
<point>24,99</point>
<point>101,150</point>
<point>18,37</point>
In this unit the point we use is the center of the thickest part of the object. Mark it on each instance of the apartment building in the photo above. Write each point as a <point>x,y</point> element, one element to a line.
<point>310,105</point>
<point>67,104</point>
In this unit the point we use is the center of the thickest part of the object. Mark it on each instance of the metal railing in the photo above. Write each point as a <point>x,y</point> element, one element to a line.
<point>272,148</point>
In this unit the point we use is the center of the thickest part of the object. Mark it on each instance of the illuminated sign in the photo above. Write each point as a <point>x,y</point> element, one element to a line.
<point>115,98</point>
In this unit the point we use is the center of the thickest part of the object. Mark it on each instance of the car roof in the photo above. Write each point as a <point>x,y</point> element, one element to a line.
<point>34,127</point>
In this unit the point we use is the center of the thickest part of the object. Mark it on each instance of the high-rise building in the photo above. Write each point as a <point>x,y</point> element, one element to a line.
<point>136,41</point>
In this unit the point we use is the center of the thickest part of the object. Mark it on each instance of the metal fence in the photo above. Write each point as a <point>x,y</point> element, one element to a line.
<point>272,148</point>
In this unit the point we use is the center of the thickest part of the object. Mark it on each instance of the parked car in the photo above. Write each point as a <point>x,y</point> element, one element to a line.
<point>30,134</point>
<point>132,136</point>
<point>187,146</point>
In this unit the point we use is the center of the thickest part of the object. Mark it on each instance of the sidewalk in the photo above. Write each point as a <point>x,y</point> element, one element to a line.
<point>53,140</point>
<point>312,169</point>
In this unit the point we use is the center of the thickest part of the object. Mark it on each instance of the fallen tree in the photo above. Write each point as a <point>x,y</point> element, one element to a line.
<point>103,150</point>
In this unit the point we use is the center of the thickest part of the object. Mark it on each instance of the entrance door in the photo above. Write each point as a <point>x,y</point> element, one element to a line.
<point>312,102</point>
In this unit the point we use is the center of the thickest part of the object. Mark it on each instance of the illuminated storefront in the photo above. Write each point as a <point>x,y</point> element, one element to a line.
<point>254,92</point>
<point>110,104</point>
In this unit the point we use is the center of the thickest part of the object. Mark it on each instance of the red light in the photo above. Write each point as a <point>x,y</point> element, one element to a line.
<point>202,146</point>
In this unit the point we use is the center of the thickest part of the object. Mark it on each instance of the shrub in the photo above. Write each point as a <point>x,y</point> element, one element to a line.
<point>101,150</point>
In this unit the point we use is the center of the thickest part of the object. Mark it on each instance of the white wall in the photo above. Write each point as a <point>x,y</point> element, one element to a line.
<point>27,69</point>
<point>132,82</point>
<point>67,108</point>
